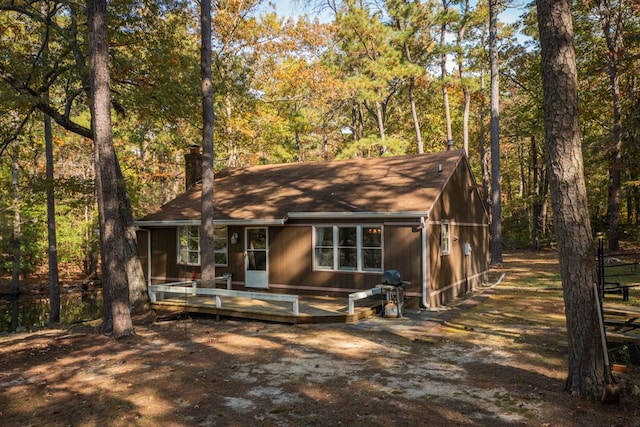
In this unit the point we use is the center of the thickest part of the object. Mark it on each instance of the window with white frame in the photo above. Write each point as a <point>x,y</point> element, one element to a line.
<point>348,248</point>
<point>324,248</point>
<point>372,248</point>
<point>189,245</point>
<point>445,238</point>
<point>220,245</point>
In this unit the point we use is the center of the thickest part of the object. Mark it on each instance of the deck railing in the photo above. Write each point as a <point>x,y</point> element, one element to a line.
<point>356,296</point>
<point>190,288</point>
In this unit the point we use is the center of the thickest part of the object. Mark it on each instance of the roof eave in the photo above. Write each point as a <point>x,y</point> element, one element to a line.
<point>357,215</point>
<point>291,215</point>
<point>186,222</point>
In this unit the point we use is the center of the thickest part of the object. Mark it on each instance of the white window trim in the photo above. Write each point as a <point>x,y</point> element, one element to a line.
<point>226,245</point>
<point>359,249</point>
<point>181,262</point>
<point>445,249</point>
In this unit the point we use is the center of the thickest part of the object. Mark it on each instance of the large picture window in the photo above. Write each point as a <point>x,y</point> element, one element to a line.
<point>348,248</point>
<point>189,245</point>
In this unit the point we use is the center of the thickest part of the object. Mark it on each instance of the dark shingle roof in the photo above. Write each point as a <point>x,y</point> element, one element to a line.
<point>383,185</point>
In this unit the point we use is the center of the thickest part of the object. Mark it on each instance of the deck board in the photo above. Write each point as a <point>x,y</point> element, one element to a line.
<point>311,309</point>
<point>622,323</point>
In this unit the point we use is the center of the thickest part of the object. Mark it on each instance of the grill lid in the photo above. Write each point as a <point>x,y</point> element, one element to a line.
<point>391,277</point>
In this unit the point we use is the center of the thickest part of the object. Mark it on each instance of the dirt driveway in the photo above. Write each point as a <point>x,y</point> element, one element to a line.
<point>498,358</point>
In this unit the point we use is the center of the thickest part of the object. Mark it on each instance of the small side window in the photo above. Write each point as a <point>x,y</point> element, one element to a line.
<point>445,238</point>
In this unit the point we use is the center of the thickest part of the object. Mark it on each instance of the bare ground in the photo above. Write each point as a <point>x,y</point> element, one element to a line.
<point>497,358</point>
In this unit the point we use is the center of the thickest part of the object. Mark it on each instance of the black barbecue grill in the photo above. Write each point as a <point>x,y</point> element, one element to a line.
<point>391,277</point>
<point>392,290</point>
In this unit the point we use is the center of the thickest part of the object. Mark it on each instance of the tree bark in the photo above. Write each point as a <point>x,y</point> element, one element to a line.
<point>380,120</point>
<point>52,249</point>
<point>482,151</point>
<point>17,237</point>
<point>443,73</point>
<point>569,198</point>
<point>613,207</point>
<point>207,247</point>
<point>117,316</point>
<point>539,196</point>
<point>232,146</point>
<point>138,295</point>
<point>414,115</point>
<point>465,87</point>
<point>496,202</point>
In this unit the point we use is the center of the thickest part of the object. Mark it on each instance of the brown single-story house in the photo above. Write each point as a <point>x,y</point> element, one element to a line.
<point>331,228</point>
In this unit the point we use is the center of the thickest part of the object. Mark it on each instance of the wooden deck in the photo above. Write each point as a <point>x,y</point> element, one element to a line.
<point>310,309</point>
<point>623,323</point>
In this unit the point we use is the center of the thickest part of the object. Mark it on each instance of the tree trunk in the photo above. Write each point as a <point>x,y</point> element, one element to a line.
<point>443,74</point>
<point>380,120</point>
<point>117,316</point>
<point>232,146</point>
<point>569,198</point>
<point>482,151</point>
<point>17,237</point>
<point>613,208</point>
<point>138,295</point>
<point>465,119</point>
<point>537,199</point>
<point>541,207</point>
<point>299,151</point>
<point>545,206</point>
<point>412,101</point>
<point>465,87</point>
<point>207,254</point>
<point>636,198</point>
<point>496,203</point>
<point>414,115</point>
<point>359,134</point>
<point>52,249</point>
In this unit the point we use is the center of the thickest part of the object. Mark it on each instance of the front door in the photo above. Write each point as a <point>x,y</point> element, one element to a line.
<point>256,257</point>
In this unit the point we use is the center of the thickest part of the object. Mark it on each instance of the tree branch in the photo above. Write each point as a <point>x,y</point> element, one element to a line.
<point>59,118</point>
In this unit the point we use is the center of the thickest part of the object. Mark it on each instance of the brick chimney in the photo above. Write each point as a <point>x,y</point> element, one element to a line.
<point>193,167</point>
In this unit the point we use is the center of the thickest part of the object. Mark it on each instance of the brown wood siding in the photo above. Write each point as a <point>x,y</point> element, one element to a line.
<point>143,251</point>
<point>164,266</point>
<point>455,274</point>
<point>290,256</point>
<point>236,256</point>
<point>402,252</point>
<point>460,200</point>
<point>163,254</point>
<point>291,262</point>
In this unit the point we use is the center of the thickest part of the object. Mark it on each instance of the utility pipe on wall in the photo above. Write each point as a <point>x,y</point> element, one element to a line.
<point>424,238</point>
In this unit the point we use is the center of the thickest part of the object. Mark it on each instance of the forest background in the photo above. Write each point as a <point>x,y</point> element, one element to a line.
<point>367,79</point>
